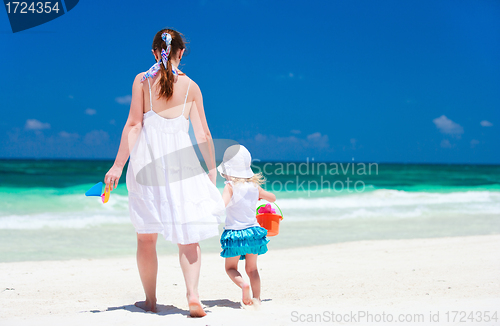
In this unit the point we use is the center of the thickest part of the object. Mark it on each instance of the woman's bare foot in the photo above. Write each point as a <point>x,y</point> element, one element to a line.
<point>146,306</point>
<point>195,308</point>
<point>246,294</point>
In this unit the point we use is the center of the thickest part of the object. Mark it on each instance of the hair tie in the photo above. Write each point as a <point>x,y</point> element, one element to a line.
<point>164,58</point>
<point>164,54</point>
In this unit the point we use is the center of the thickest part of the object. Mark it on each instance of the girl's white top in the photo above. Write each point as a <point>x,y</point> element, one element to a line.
<point>168,190</point>
<point>240,211</point>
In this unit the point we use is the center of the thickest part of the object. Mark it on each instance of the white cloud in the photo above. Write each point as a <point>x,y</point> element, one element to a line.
<point>318,140</point>
<point>34,124</point>
<point>289,75</point>
<point>445,143</point>
<point>124,99</point>
<point>295,131</point>
<point>486,123</point>
<point>474,142</point>
<point>90,111</point>
<point>260,137</point>
<point>65,134</point>
<point>96,137</point>
<point>446,126</point>
<point>353,143</point>
<point>272,147</point>
<point>60,144</point>
<point>314,140</point>
<point>289,139</point>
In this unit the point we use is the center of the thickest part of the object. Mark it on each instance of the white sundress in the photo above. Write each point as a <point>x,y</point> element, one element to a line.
<point>169,192</point>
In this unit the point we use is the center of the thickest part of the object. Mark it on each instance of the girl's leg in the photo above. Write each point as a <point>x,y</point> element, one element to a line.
<point>190,260</point>
<point>253,274</point>
<point>232,271</point>
<point>147,262</point>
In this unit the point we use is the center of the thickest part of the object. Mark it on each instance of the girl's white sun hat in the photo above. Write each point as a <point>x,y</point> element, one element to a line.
<point>236,162</point>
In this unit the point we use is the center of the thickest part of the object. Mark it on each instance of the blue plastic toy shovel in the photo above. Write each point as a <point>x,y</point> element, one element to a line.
<point>96,190</point>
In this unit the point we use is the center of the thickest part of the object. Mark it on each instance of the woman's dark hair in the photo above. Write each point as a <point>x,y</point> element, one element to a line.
<point>167,77</point>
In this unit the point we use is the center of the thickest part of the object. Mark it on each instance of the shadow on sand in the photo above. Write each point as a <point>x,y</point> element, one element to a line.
<point>222,303</point>
<point>173,310</point>
<point>161,309</point>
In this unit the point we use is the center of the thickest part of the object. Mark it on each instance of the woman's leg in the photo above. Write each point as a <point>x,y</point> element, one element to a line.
<point>253,274</point>
<point>147,262</point>
<point>190,260</point>
<point>232,271</point>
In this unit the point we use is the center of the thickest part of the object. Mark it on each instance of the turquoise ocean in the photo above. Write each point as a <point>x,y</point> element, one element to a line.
<point>44,214</point>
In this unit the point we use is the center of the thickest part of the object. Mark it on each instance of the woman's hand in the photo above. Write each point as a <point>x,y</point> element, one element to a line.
<point>112,177</point>
<point>213,176</point>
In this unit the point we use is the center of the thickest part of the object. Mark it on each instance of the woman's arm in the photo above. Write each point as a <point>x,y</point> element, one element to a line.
<point>263,194</point>
<point>202,133</point>
<point>129,133</point>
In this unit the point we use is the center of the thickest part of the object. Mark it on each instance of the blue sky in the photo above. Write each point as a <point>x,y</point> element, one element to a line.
<point>377,81</point>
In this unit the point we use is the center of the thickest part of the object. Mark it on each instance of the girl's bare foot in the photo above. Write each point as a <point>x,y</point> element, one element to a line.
<point>246,294</point>
<point>146,305</point>
<point>195,308</point>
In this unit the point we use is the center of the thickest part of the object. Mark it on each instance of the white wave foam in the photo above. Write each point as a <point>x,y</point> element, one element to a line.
<point>72,211</point>
<point>70,221</point>
<point>392,204</point>
<point>389,198</point>
<point>382,203</point>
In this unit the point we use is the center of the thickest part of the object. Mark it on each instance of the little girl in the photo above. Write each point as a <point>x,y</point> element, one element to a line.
<point>243,238</point>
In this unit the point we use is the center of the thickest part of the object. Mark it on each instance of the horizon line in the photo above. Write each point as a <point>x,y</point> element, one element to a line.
<point>261,161</point>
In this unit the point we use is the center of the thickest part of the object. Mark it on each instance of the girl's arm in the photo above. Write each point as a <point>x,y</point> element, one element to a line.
<point>130,132</point>
<point>202,133</point>
<point>263,194</point>
<point>227,193</point>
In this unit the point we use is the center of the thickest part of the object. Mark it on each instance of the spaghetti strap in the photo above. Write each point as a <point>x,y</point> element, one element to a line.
<point>187,92</point>
<point>150,102</point>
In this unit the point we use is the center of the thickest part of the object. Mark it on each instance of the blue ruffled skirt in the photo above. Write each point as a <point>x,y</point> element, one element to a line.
<point>251,240</point>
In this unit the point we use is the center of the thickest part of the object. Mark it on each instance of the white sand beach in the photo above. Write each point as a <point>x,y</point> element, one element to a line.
<point>299,286</point>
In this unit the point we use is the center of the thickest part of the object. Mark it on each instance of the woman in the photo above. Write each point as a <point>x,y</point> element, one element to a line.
<point>169,192</point>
